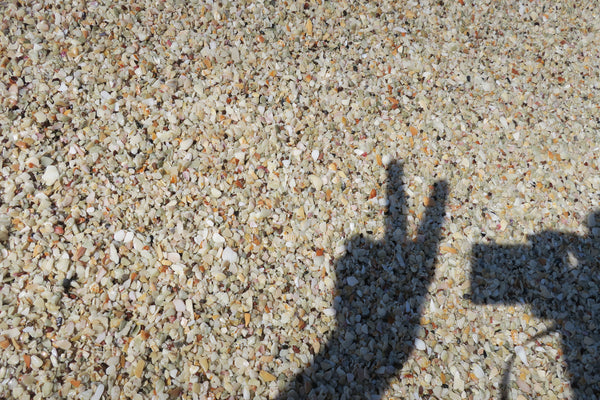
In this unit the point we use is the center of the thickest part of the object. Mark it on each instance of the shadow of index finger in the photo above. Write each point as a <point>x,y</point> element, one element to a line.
<point>431,226</point>
<point>395,220</point>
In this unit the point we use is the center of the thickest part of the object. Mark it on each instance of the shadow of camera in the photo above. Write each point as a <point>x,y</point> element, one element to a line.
<point>558,275</point>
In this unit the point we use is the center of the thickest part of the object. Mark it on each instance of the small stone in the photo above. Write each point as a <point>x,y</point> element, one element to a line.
<point>178,268</point>
<point>128,237</point>
<point>216,193</point>
<point>520,351</point>
<point>219,276</point>
<point>330,312</point>
<point>13,90</point>
<point>36,362</point>
<point>113,254</point>
<point>204,363</point>
<point>40,117</point>
<point>420,344</point>
<point>63,344</point>
<point>523,386</point>
<point>51,175</point>
<point>98,393</point>
<point>241,363</point>
<point>309,27</point>
<point>196,387</point>
<point>458,383</point>
<point>266,376</point>
<point>139,369</point>
<point>179,305</point>
<point>315,155</point>
<point>138,245</point>
<point>217,238</point>
<point>46,389</point>
<point>478,371</point>
<point>186,144</point>
<point>142,36</point>
<point>352,281</point>
<point>229,255</point>
<point>316,181</point>
<point>119,235</point>
<point>174,257</point>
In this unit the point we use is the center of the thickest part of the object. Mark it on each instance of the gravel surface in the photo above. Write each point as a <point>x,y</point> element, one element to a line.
<point>266,200</point>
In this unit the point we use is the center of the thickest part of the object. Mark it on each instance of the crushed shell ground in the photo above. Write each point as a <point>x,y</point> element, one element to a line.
<point>179,182</point>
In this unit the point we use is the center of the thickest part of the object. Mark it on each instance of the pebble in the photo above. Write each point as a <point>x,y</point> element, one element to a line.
<point>219,276</point>
<point>119,235</point>
<point>51,175</point>
<point>113,254</point>
<point>217,238</point>
<point>216,193</point>
<point>315,155</point>
<point>420,344</point>
<point>266,376</point>
<point>128,237</point>
<point>330,312</point>
<point>98,392</point>
<point>36,362</point>
<point>178,268</point>
<point>229,255</point>
<point>40,117</point>
<point>478,371</point>
<point>179,305</point>
<point>186,143</point>
<point>173,257</point>
<point>520,351</point>
<point>316,181</point>
<point>352,281</point>
<point>13,92</point>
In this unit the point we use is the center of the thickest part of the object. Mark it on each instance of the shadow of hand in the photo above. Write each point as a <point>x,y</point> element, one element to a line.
<point>381,286</point>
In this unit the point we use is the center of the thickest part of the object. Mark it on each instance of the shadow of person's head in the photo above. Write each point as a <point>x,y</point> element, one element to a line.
<point>380,288</point>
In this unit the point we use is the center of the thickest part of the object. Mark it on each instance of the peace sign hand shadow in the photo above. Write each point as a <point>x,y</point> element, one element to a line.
<point>381,287</point>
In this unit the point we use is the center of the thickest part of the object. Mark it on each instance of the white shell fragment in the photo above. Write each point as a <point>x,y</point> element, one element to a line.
<point>119,235</point>
<point>98,393</point>
<point>330,312</point>
<point>520,351</point>
<point>229,255</point>
<point>420,344</point>
<point>179,305</point>
<point>51,175</point>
